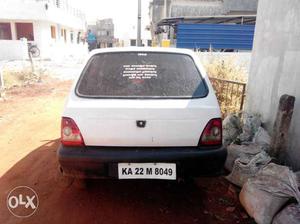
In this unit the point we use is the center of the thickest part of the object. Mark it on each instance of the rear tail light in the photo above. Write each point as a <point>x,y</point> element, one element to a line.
<point>212,134</point>
<point>70,133</point>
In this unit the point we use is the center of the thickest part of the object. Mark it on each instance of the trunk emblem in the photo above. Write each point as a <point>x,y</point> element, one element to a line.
<point>141,124</point>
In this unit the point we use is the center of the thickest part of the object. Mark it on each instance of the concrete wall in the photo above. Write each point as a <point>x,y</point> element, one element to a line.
<point>13,50</point>
<point>156,9</point>
<point>210,7</point>
<point>240,5</point>
<point>275,67</point>
<point>196,8</point>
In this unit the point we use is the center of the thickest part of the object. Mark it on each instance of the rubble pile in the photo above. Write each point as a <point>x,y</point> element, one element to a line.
<point>242,152</point>
<point>265,194</point>
<point>290,214</point>
<point>232,128</point>
<point>267,188</point>
<point>245,168</point>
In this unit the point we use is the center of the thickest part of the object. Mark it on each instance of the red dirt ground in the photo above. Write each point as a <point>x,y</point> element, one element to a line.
<point>29,132</point>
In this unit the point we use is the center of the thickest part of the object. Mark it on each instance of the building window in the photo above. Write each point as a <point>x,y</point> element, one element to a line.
<point>53,32</point>
<point>25,30</point>
<point>133,42</point>
<point>5,31</point>
<point>72,37</point>
<point>78,37</point>
<point>57,2</point>
<point>63,33</point>
<point>103,33</point>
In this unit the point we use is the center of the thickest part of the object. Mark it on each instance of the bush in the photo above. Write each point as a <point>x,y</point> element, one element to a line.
<point>226,69</point>
<point>20,77</point>
<point>229,93</point>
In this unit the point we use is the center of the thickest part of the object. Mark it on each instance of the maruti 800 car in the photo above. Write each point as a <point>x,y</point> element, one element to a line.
<point>141,113</point>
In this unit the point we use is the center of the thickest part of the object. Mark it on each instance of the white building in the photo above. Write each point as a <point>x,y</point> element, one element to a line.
<point>53,25</point>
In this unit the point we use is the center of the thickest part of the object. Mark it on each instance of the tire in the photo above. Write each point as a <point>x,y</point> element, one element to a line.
<point>35,52</point>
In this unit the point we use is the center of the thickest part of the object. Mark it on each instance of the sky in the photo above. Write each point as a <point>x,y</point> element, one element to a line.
<point>123,13</point>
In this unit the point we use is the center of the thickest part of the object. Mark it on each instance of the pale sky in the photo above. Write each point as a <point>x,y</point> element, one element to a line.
<point>123,13</point>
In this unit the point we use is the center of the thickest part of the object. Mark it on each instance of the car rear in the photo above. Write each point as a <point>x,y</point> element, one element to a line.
<point>141,113</point>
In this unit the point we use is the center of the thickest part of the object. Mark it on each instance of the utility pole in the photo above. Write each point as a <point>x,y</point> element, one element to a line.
<point>165,35</point>
<point>165,9</point>
<point>139,24</point>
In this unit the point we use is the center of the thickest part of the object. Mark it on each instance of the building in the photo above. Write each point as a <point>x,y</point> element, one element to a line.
<point>162,9</point>
<point>104,30</point>
<point>275,67</point>
<point>105,33</point>
<point>53,25</point>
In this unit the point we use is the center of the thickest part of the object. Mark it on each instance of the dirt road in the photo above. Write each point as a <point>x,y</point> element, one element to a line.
<point>29,132</point>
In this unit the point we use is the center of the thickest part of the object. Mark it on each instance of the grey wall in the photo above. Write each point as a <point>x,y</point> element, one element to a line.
<point>211,7</point>
<point>241,5</point>
<point>275,66</point>
<point>177,8</point>
<point>157,10</point>
<point>196,8</point>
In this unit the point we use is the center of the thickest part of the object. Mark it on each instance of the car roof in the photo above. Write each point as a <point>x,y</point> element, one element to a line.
<point>143,49</point>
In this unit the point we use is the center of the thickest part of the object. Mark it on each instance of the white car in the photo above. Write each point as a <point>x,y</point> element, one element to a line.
<point>141,113</point>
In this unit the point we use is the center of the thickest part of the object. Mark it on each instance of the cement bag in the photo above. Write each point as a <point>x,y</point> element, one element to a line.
<point>245,152</point>
<point>289,215</point>
<point>250,126</point>
<point>232,127</point>
<point>244,169</point>
<point>263,195</point>
<point>262,137</point>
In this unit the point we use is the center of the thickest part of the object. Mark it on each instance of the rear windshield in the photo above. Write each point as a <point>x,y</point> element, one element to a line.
<point>141,75</point>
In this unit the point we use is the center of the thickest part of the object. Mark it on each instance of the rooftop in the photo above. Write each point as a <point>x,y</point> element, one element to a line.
<point>230,19</point>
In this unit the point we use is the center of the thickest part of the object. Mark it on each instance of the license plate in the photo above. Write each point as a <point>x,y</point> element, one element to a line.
<point>166,171</point>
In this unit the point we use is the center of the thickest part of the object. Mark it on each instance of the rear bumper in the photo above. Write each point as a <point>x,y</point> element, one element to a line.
<point>101,162</point>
